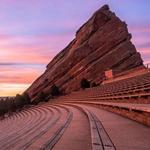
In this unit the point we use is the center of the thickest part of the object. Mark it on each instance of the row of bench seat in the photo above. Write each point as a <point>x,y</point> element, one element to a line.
<point>34,127</point>
<point>133,87</point>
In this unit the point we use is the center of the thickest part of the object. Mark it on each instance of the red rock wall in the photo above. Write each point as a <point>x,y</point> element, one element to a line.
<point>102,43</point>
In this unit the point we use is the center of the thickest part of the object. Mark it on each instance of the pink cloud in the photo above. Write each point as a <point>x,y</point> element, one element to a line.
<point>12,75</point>
<point>145,51</point>
<point>24,57</point>
<point>140,40</point>
<point>32,49</point>
<point>140,28</point>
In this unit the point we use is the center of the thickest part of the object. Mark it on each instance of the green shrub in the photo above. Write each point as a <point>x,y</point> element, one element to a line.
<point>26,98</point>
<point>84,83</point>
<point>3,107</point>
<point>12,104</point>
<point>54,90</point>
<point>48,98</point>
<point>19,101</point>
<point>41,96</point>
<point>93,84</point>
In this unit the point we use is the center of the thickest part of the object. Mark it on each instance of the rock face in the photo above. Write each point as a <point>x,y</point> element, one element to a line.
<point>102,43</point>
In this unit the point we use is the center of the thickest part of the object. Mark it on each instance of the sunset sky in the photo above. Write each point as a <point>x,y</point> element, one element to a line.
<point>32,32</point>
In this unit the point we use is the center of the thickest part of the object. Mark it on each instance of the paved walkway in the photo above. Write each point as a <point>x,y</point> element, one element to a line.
<point>77,135</point>
<point>142,107</point>
<point>124,133</point>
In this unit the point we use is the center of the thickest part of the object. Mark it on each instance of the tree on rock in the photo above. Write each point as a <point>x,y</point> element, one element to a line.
<point>2,107</point>
<point>27,99</point>
<point>93,84</point>
<point>48,97</point>
<point>84,83</point>
<point>41,96</point>
<point>55,90</point>
<point>19,101</point>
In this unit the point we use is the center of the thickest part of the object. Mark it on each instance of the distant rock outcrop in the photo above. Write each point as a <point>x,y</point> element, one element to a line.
<point>102,43</point>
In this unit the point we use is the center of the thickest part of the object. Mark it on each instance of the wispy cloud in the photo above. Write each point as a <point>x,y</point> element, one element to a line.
<point>140,37</point>
<point>18,74</point>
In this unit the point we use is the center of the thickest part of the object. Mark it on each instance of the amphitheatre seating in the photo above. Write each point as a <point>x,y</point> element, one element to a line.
<point>29,127</point>
<point>133,87</point>
<point>41,126</point>
<point>114,96</point>
<point>127,106</point>
<point>137,112</point>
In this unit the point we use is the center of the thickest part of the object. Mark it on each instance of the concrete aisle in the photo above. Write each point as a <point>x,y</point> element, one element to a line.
<point>124,133</point>
<point>77,136</point>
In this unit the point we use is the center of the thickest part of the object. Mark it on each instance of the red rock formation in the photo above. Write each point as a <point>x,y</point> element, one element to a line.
<point>101,43</point>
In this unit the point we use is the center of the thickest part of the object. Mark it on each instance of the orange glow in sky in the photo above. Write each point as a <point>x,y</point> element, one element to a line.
<point>12,88</point>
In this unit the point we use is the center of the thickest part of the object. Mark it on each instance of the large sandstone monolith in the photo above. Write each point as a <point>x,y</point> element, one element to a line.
<point>102,43</point>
